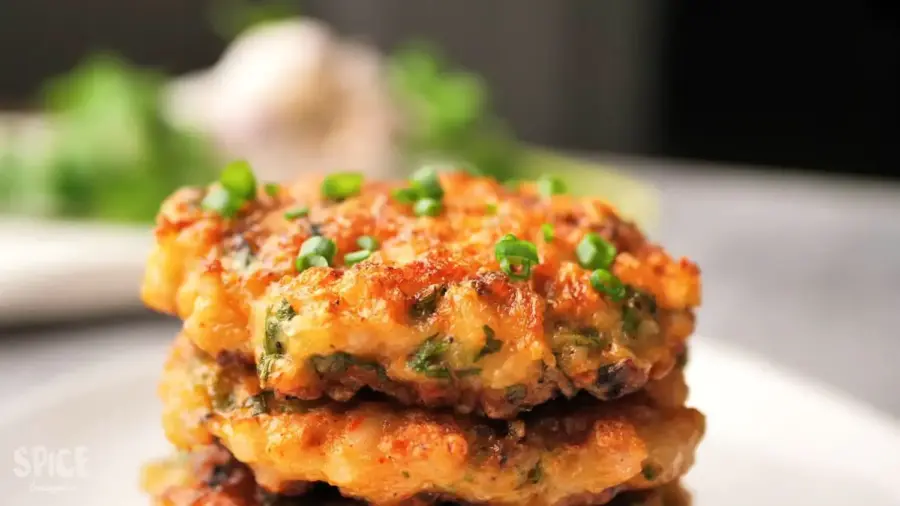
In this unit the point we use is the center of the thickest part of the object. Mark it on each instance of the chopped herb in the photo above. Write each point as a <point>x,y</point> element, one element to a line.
<point>236,186</point>
<point>491,208</point>
<point>238,180</point>
<point>218,199</point>
<point>293,214</point>
<point>405,195</point>
<point>650,471</point>
<point>548,232</point>
<point>535,474</point>
<point>605,282</point>
<point>257,404</point>
<point>472,371</point>
<point>515,394</point>
<point>491,343</point>
<point>427,183</point>
<point>367,242</point>
<point>595,252</point>
<point>426,301</point>
<point>265,366</point>
<point>356,257</point>
<point>285,311</point>
<point>272,345</point>
<point>549,186</point>
<point>428,359</point>
<point>405,474</point>
<point>427,207</point>
<point>317,251</point>
<point>342,185</point>
<point>516,256</point>
<point>272,189</point>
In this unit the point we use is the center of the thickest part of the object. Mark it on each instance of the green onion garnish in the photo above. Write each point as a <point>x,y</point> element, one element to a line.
<point>239,180</point>
<point>356,257</point>
<point>367,242</point>
<point>427,207</point>
<point>218,199</point>
<point>491,208</point>
<point>426,183</point>
<point>236,186</point>
<point>317,251</point>
<point>549,186</point>
<point>405,195</point>
<point>548,232</point>
<point>516,256</point>
<point>272,189</point>
<point>342,185</point>
<point>605,282</point>
<point>293,214</point>
<point>594,252</point>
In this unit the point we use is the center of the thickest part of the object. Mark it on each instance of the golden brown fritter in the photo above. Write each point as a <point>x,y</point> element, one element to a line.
<point>564,453</point>
<point>429,317</point>
<point>212,477</point>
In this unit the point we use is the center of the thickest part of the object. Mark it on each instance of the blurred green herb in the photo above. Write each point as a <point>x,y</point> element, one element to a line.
<point>110,154</point>
<point>451,114</point>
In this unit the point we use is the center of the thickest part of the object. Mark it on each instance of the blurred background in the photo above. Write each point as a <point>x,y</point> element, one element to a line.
<point>758,138</point>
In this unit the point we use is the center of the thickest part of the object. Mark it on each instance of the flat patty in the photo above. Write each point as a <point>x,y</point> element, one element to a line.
<point>212,477</point>
<point>429,317</point>
<point>564,453</point>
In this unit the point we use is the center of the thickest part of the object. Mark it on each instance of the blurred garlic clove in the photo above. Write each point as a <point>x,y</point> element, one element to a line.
<point>291,97</point>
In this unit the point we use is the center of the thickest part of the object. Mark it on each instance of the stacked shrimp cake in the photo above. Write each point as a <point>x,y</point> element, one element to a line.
<point>441,339</point>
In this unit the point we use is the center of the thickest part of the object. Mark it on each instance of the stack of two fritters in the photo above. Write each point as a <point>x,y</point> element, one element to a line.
<point>443,339</point>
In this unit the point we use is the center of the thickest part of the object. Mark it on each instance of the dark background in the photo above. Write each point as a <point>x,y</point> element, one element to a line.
<point>811,85</point>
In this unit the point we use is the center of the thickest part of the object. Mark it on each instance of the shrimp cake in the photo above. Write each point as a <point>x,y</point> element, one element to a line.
<point>568,452</point>
<point>430,317</point>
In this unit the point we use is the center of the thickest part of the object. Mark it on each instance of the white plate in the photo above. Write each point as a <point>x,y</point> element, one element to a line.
<point>51,270</point>
<point>773,439</point>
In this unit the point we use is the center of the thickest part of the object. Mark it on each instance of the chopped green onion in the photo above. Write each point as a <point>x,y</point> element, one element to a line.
<point>342,185</point>
<point>605,282</point>
<point>426,183</point>
<point>405,195</point>
<point>219,200</point>
<point>427,207</point>
<point>594,252</point>
<point>317,251</point>
<point>549,186</point>
<point>367,242</point>
<point>491,343</point>
<point>356,257</point>
<point>491,208</point>
<point>272,189</point>
<point>428,358</point>
<point>293,214</point>
<point>239,180</point>
<point>548,232</point>
<point>516,256</point>
<point>303,263</point>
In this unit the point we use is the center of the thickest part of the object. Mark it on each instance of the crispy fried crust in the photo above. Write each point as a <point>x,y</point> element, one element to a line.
<point>505,345</point>
<point>566,453</point>
<point>212,477</point>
